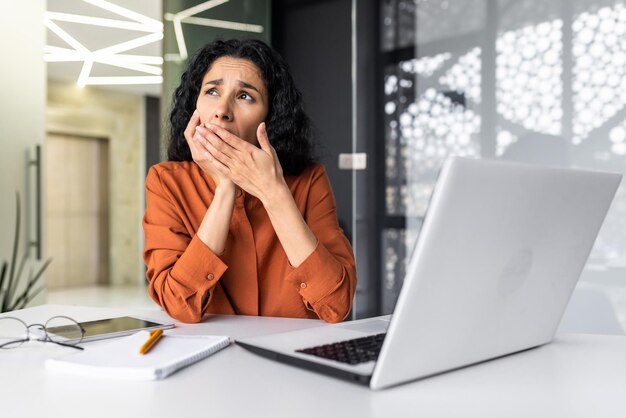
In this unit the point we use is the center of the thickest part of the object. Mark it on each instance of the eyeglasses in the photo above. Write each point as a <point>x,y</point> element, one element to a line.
<point>61,330</point>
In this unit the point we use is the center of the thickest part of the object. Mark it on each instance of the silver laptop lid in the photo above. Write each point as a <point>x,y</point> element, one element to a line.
<point>498,256</point>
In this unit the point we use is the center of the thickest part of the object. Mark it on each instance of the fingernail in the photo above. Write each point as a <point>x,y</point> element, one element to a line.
<point>200,129</point>
<point>209,125</point>
<point>195,112</point>
<point>263,127</point>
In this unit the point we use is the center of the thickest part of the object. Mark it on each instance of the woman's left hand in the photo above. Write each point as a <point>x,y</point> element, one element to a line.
<point>255,170</point>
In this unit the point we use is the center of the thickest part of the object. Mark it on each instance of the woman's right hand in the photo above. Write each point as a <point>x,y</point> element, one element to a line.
<point>201,156</point>
<point>213,230</point>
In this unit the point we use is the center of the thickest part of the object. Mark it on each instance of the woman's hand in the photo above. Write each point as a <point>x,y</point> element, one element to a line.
<point>255,170</point>
<point>259,173</point>
<point>200,155</point>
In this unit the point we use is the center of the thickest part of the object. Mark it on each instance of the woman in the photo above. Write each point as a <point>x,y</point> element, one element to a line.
<point>241,220</point>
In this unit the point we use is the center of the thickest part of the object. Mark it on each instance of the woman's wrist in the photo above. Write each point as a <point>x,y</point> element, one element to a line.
<point>226,189</point>
<point>277,197</point>
<point>213,230</point>
<point>291,228</point>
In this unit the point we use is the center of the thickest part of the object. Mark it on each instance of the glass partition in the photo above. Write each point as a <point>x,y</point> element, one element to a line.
<point>525,80</point>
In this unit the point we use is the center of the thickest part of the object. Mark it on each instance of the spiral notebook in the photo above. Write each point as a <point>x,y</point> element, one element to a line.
<point>120,359</point>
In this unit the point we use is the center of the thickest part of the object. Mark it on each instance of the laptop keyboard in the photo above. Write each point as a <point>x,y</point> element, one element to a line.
<point>355,351</point>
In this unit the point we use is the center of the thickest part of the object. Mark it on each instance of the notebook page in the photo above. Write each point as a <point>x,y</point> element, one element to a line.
<point>121,358</point>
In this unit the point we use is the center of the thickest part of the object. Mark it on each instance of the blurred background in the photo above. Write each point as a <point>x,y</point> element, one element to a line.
<point>393,88</point>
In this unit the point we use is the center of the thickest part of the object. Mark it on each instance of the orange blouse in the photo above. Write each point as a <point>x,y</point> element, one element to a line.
<point>253,275</point>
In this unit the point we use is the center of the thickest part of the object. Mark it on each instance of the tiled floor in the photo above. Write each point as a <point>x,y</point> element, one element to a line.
<point>103,296</point>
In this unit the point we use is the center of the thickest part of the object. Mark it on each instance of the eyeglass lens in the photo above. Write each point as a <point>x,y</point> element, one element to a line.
<point>59,329</point>
<point>13,332</point>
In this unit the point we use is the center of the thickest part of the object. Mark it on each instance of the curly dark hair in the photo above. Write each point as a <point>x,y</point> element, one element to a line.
<point>288,126</point>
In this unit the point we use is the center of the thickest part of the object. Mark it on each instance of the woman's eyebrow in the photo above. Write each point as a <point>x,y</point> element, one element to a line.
<point>248,86</point>
<point>220,81</point>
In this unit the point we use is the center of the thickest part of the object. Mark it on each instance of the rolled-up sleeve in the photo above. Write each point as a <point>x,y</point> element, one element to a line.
<point>326,279</point>
<point>181,270</point>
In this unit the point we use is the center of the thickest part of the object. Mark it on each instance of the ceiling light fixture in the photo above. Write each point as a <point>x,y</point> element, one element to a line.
<point>100,21</point>
<point>245,27</point>
<point>95,81</point>
<point>129,14</point>
<point>84,73</point>
<point>65,36</point>
<point>132,44</point>
<point>187,16</point>
<point>58,54</point>
<point>110,55</point>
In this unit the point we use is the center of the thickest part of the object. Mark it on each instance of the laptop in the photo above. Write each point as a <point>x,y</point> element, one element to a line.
<point>499,253</point>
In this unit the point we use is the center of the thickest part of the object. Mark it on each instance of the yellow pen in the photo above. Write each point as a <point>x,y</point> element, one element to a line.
<point>154,337</point>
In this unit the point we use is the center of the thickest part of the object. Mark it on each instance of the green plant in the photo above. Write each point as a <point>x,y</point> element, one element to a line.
<point>11,274</point>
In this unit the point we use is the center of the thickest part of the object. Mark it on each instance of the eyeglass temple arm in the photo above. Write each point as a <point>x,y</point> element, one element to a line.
<point>67,345</point>
<point>13,342</point>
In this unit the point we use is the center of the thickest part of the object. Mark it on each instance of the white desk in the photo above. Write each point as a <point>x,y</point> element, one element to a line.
<point>575,376</point>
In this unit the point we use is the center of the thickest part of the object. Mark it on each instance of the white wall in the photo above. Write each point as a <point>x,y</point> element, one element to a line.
<point>22,107</point>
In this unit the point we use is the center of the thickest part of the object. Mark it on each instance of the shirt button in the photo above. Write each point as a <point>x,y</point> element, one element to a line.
<point>210,276</point>
<point>303,285</point>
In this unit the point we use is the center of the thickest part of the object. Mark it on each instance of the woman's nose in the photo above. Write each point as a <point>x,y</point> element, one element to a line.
<point>223,112</point>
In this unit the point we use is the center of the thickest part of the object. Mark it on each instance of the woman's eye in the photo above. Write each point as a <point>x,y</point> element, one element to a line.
<point>245,96</point>
<point>211,92</point>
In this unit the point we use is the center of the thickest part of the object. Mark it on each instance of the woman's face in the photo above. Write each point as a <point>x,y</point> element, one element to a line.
<point>234,97</point>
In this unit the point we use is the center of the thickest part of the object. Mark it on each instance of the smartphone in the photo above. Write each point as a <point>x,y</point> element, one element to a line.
<point>104,328</point>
